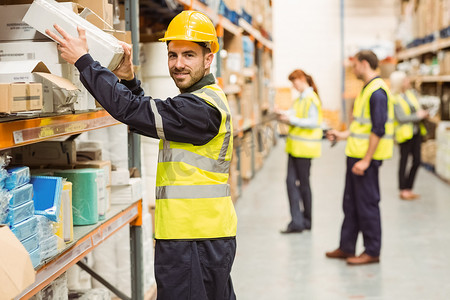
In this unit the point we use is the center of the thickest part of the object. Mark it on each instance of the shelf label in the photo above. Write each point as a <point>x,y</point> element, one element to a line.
<point>130,214</point>
<point>108,230</point>
<point>18,137</point>
<point>59,264</point>
<point>97,237</point>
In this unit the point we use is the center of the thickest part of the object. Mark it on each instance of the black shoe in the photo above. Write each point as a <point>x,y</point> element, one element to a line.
<point>289,230</point>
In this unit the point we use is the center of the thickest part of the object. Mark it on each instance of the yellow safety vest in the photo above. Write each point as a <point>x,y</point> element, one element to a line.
<point>361,126</point>
<point>405,132</point>
<point>192,194</point>
<point>302,141</point>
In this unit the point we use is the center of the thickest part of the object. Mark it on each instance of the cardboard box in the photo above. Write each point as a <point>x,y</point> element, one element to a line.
<point>126,194</point>
<point>16,270</point>
<point>101,12</point>
<point>59,93</point>
<point>13,71</point>
<point>55,152</point>
<point>17,97</point>
<point>46,52</point>
<point>12,28</point>
<point>103,47</point>
<point>89,155</point>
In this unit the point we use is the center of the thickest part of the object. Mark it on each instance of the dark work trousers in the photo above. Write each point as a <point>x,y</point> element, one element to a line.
<point>410,147</point>
<point>194,270</point>
<point>361,210</point>
<point>299,191</point>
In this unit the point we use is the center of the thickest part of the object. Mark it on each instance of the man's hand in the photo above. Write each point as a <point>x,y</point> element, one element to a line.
<point>334,135</point>
<point>71,48</point>
<point>360,167</point>
<point>125,70</point>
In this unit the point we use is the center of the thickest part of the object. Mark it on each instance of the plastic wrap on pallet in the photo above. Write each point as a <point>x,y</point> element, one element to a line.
<point>49,247</point>
<point>17,177</point>
<point>31,243</point>
<point>20,213</point>
<point>5,197</point>
<point>93,294</point>
<point>45,227</point>
<point>21,195</point>
<point>25,228</point>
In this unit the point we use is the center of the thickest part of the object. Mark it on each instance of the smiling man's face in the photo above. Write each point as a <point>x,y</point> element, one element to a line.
<point>188,63</point>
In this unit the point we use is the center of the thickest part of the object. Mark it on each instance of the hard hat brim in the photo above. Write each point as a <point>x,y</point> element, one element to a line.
<point>214,44</point>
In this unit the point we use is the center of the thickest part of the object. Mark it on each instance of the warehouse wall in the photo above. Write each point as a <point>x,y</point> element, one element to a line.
<point>307,36</point>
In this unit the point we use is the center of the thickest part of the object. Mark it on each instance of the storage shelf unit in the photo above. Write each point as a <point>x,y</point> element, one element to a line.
<point>21,132</point>
<point>431,78</point>
<point>86,238</point>
<point>225,23</point>
<point>434,46</point>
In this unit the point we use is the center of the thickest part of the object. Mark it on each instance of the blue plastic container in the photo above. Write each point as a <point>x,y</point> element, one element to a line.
<point>25,228</point>
<point>20,213</point>
<point>18,176</point>
<point>31,243</point>
<point>35,257</point>
<point>21,195</point>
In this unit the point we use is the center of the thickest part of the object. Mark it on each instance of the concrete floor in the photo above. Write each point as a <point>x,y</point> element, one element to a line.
<point>415,258</point>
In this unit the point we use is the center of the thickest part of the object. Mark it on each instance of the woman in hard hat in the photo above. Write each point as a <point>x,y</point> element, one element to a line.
<point>303,143</point>
<point>409,131</point>
<point>195,220</point>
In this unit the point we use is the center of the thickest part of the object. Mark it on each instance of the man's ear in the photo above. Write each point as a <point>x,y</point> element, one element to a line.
<point>208,59</point>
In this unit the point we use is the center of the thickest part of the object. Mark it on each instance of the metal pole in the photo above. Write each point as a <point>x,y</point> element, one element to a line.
<point>137,271</point>
<point>132,24</point>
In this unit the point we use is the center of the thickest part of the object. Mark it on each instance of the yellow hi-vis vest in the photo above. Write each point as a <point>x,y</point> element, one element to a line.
<point>361,126</point>
<point>192,194</point>
<point>405,132</point>
<point>301,141</point>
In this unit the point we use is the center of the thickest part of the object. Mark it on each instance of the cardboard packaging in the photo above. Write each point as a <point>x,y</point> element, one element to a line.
<point>46,153</point>
<point>89,155</point>
<point>17,97</point>
<point>126,194</point>
<point>46,52</point>
<point>103,47</point>
<point>120,177</point>
<point>11,26</point>
<point>58,94</point>
<point>16,269</point>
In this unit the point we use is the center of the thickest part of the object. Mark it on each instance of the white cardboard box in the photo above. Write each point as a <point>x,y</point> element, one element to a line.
<point>126,194</point>
<point>12,28</point>
<point>103,47</point>
<point>47,52</point>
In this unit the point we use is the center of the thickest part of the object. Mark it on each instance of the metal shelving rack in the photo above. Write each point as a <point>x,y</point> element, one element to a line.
<point>86,238</point>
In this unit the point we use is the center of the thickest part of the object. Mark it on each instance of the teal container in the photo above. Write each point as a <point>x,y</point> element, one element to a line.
<point>84,194</point>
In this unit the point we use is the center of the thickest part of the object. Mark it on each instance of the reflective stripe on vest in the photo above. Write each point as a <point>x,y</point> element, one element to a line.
<point>192,194</point>
<point>361,126</point>
<point>301,141</point>
<point>158,120</point>
<point>192,191</point>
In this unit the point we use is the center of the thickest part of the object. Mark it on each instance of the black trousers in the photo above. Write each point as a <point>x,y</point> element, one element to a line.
<point>299,191</point>
<point>194,270</point>
<point>407,149</point>
<point>361,210</point>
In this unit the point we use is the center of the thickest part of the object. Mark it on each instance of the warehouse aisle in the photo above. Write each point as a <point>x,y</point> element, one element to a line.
<point>415,260</point>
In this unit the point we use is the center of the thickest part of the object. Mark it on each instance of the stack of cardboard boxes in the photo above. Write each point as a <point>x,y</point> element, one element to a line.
<point>23,43</point>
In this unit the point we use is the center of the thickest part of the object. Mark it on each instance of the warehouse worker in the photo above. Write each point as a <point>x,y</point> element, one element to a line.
<point>409,130</point>
<point>369,142</point>
<point>303,143</point>
<point>195,220</point>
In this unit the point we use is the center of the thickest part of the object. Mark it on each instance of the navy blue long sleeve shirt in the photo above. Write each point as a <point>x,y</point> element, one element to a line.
<point>378,111</point>
<point>186,118</point>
